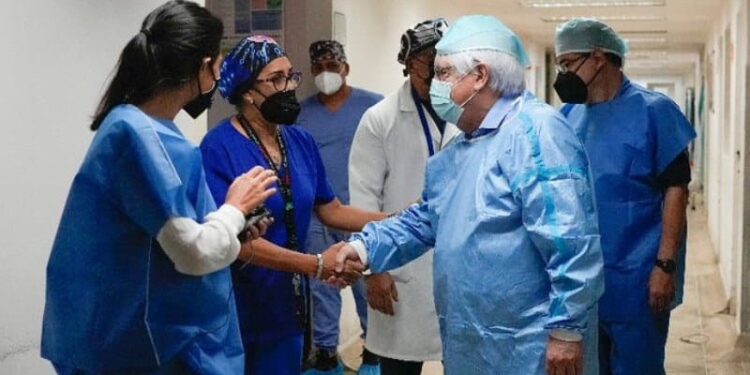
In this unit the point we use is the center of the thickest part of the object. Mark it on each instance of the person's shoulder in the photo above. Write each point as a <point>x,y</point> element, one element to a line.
<point>542,112</point>
<point>384,106</point>
<point>366,95</point>
<point>310,101</point>
<point>128,123</point>
<point>296,133</point>
<point>655,103</point>
<point>219,133</point>
<point>648,98</point>
<point>127,117</point>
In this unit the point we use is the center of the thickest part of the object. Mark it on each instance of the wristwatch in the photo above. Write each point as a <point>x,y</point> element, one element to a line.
<point>667,265</point>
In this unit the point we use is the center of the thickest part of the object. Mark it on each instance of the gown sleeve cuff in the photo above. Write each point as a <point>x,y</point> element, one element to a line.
<point>566,335</point>
<point>361,249</point>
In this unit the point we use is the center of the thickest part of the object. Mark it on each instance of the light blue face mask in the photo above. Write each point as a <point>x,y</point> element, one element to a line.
<point>443,104</point>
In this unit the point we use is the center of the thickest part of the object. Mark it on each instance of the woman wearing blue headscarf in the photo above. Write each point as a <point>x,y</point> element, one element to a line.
<point>271,294</point>
<point>137,282</point>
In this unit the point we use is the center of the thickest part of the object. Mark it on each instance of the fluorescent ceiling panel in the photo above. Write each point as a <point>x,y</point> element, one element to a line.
<point>560,19</point>
<point>644,40</point>
<point>551,4</point>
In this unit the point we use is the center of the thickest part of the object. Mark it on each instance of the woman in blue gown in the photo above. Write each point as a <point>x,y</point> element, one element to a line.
<point>137,281</point>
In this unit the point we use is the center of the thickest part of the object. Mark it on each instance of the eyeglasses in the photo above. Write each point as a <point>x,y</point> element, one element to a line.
<point>564,66</point>
<point>282,82</point>
<point>444,73</point>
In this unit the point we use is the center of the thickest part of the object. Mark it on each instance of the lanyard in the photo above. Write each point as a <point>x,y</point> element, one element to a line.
<point>284,179</point>
<point>425,124</point>
<point>292,243</point>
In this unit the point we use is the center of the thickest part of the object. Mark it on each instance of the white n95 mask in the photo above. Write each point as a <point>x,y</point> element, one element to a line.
<point>328,82</point>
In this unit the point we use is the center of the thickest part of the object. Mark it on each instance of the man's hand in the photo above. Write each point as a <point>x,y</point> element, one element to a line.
<point>347,275</point>
<point>661,287</point>
<point>564,358</point>
<point>381,292</point>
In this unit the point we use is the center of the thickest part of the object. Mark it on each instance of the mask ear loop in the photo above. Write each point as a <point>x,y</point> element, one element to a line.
<point>206,60</point>
<point>594,77</point>
<point>460,79</point>
<point>583,63</point>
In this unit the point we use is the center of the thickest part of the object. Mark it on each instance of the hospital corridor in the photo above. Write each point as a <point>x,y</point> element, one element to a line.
<point>395,187</point>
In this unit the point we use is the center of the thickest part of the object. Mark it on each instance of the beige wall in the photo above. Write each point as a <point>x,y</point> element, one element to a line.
<point>374,29</point>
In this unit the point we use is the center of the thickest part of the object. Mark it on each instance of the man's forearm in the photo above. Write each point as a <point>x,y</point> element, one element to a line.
<point>673,221</point>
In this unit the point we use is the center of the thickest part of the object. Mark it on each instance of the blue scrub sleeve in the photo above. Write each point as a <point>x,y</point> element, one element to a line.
<point>672,130</point>
<point>396,241</point>
<point>555,192</point>
<point>144,180</point>
<point>219,175</point>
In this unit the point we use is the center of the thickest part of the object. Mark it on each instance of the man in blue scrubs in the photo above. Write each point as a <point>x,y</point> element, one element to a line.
<point>331,117</point>
<point>636,140</point>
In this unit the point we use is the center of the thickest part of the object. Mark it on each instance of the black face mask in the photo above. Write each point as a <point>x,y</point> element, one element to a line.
<point>571,88</point>
<point>200,104</point>
<point>281,108</point>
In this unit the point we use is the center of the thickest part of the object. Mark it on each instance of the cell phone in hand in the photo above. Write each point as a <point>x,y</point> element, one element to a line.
<point>255,217</point>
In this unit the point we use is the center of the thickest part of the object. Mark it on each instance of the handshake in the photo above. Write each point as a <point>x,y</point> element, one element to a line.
<point>340,266</point>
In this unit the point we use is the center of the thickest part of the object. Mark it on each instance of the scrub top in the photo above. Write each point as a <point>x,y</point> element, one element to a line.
<point>115,301</point>
<point>265,297</point>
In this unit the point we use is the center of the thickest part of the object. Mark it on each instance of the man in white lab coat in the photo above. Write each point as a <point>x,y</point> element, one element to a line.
<point>386,173</point>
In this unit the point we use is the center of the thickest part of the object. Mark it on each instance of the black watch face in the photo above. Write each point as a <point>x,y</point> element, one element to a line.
<point>669,266</point>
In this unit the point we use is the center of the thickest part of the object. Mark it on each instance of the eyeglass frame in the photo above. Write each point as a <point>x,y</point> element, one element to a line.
<point>564,67</point>
<point>287,79</point>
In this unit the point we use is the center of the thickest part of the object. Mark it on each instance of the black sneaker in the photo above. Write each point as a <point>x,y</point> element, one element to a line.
<point>369,358</point>
<point>325,360</point>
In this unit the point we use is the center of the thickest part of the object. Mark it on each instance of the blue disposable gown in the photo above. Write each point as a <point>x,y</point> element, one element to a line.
<point>115,302</point>
<point>511,216</point>
<point>631,140</point>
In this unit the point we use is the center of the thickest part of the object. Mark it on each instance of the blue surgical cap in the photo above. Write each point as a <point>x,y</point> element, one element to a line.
<point>582,35</point>
<point>243,64</point>
<point>477,33</point>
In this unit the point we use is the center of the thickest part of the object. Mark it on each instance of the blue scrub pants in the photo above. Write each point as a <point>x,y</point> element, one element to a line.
<point>633,347</point>
<point>326,299</point>
<point>281,357</point>
<point>174,367</point>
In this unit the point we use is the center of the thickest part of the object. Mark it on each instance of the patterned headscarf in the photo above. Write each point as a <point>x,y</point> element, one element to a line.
<point>243,64</point>
<point>327,49</point>
<point>424,35</point>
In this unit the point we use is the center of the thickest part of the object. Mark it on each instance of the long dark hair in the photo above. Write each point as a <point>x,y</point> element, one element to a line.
<point>165,54</point>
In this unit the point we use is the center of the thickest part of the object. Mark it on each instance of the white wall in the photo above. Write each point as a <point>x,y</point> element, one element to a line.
<point>57,55</point>
<point>725,134</point>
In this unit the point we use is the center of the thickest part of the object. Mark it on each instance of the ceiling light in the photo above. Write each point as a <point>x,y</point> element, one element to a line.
<point>647,55</point>
<point>646,40</point>
<point>641,32</point>
<point>559,19</point>
<point>591,3</point>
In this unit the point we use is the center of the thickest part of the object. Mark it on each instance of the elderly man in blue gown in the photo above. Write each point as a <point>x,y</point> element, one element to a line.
<point>509,210</point>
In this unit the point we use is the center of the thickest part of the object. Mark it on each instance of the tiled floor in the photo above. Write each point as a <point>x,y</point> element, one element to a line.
<point>702,339</point>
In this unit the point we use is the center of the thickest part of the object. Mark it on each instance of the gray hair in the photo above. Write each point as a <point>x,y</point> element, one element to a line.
<point>506,73</point>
